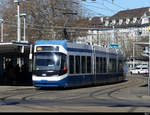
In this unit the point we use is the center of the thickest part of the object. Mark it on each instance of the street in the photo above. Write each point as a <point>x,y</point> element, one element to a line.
<point>127,96</point>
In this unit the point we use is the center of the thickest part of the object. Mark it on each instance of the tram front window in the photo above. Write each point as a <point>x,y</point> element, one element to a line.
<point>47,61</point>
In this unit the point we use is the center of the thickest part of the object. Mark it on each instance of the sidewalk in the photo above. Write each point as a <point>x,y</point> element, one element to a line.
<point>18,85</point>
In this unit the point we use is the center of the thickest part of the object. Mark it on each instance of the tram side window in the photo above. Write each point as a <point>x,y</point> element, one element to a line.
<point>110,66</point>
<point>104,65</point>
<point>97,65</point>
<point>63,67</point>
<point>114,65</point>
<point>88,64</point>
<point>101,65</point>
<point>77,64</point>
<point>63,62</point>
<point>71,64</point>
<point>120,66</point>
<point>83,60</point>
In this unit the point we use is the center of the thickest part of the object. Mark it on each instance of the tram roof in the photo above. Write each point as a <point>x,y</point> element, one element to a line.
<point>80,46</point>
<point>54,42</point>
<point>13,48</point>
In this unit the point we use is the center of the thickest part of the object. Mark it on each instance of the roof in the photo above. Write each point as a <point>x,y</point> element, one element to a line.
<point>138,12</point>
<point>14,48</point>
<point>98,22</point>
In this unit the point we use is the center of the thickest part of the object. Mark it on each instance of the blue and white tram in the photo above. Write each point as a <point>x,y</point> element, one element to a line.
<point>59,63</point>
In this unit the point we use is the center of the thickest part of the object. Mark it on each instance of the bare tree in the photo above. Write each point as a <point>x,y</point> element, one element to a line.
<point>45,18</point>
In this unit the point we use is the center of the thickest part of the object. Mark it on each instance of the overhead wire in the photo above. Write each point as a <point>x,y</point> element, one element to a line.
<point>46,29</point>
<point>106,8</point>
<point>38,27</point>
<point>91,10</point>
<point>98,9</point>
<point>114,4</point>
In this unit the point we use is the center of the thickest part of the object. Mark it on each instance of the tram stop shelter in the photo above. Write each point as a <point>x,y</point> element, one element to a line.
<point>15,65</point>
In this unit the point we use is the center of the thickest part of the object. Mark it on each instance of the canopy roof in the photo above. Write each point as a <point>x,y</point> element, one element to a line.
<point>14,48</point>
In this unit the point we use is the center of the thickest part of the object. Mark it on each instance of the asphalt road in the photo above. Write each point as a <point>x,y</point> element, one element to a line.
<point>127,96</point>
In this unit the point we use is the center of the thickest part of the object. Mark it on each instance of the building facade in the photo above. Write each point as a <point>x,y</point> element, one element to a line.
<point>123,28</point>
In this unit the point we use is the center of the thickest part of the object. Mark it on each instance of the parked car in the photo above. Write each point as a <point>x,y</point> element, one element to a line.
<point>139,70</point>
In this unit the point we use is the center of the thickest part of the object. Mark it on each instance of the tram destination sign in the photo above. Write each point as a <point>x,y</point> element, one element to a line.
<point>47,48</point>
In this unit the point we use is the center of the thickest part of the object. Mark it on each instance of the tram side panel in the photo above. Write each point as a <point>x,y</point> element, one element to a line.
<point>108,66</point>
<point>80,68</point>
<point>101,63</point>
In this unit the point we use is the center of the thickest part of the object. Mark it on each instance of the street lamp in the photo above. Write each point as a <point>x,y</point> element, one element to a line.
<point>18,20</point>
<point>1,20</point>
<point>24,17</point>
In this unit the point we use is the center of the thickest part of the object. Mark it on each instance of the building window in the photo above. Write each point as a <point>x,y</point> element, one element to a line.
<point>127,21</point>
<point>120,21</point>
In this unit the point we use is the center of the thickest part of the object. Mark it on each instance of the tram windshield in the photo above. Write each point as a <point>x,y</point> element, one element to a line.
<point>48,60</point>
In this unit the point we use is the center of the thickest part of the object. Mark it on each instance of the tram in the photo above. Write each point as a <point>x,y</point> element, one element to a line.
<point>59,63</point>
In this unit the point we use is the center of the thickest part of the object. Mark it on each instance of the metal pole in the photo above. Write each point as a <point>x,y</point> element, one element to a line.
<point>24,28</point>
<point>133,54</point>
<point>19,21</point>
<point>2,26</point>
<point>113,35</point>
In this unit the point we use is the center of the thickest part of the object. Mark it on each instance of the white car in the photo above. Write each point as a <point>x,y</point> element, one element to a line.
<point>139,70</point>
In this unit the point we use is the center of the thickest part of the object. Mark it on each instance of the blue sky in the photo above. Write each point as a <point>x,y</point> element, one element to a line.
<point>107,8</point>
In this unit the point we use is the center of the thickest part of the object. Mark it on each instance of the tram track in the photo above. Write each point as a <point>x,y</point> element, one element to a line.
<point>134,82</point>
<point>95,93</point>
